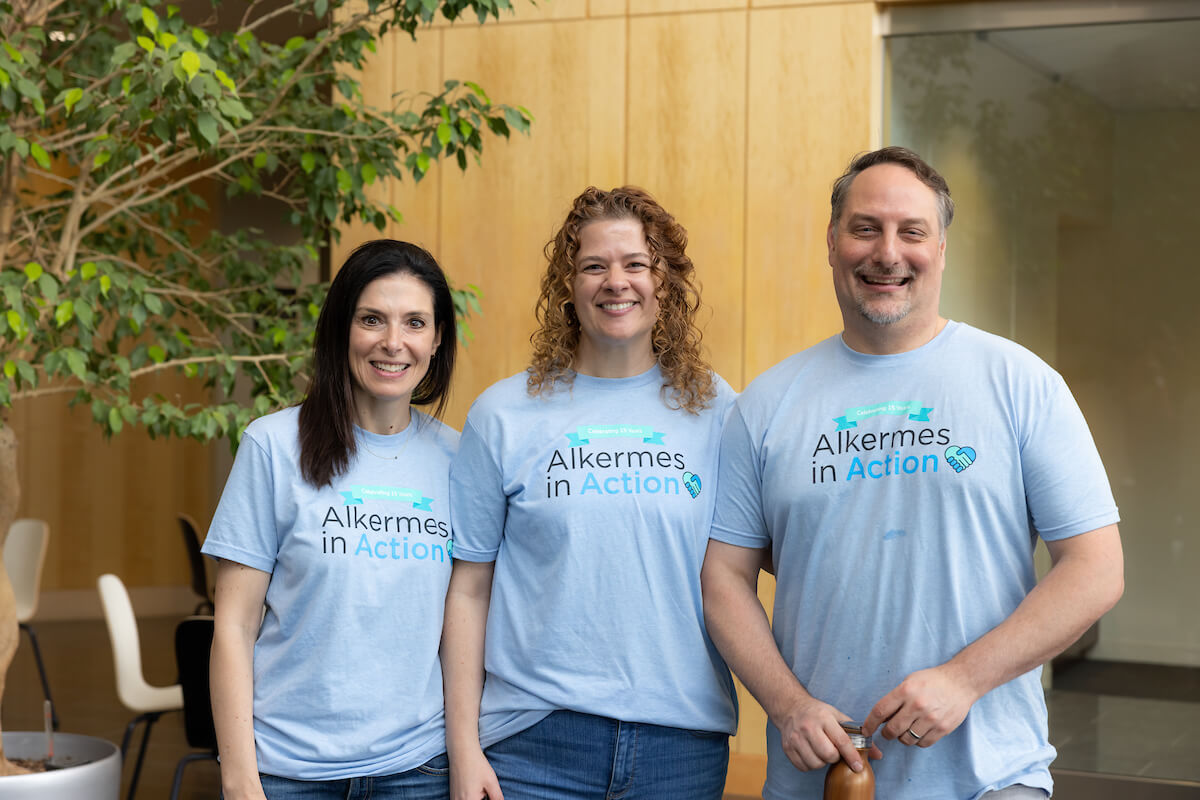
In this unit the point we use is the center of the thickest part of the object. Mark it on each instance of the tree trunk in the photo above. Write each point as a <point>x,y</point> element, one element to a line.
<point>10,494</point>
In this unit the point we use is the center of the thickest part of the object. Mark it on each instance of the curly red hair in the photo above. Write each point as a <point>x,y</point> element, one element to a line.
<point>675,338</point>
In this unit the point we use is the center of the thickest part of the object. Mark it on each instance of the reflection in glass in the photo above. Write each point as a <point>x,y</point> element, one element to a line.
<point>1074,158</point>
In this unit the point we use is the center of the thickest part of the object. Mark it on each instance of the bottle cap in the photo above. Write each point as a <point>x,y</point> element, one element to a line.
<point>857,738</point>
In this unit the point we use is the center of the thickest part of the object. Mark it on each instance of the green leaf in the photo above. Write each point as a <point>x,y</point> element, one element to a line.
<point>260,160</point>
<point>146,43</point>
<point>344,181</point>
<point>87,270</point>
<point>369,173</point>
<point>76,362</point>
<point>115,423</point>
<point>478,90</point>
<point>156,353</point>
<point>101,159</point>
<point>150,19</point>
<point>10,368</point>
<point>207,125</point>
<point>444,133</point>
<point>294,43</point>
<point>33,271</point>
<point>85,315</point>
<point>28,373</point>
<point>153,303</point>
<point>64,313</point>
<point>190,63</point>
<point>308,161</point>
<point>199,37</point>
<point>72,97</point>
<point>14,53</point>
<point>48,286</point>
<point>105,284</point>
<point>225,80</point>
<point>423,162</point>
<point>16,323</point>
<point>39,155</point>
<point>167,40</point>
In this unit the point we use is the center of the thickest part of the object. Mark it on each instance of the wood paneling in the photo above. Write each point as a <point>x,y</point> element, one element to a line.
<point>111,505</point>
<point>607,8</point>
<point>496,218</point>
<point>401,65</point>
<point>686,145</point>
<point>809,112</point>
<point>683,6</point>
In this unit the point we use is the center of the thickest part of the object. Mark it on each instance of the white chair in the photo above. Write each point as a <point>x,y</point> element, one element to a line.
<point>24,558</point>
<point>148,702</point>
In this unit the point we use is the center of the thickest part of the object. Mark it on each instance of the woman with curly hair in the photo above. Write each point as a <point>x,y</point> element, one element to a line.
<point>581,507</point>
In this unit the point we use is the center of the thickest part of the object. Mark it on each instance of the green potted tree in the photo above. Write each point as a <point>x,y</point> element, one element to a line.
<point>120,122</point>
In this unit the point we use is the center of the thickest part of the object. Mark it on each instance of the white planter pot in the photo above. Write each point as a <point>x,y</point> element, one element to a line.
<point>96,774</point>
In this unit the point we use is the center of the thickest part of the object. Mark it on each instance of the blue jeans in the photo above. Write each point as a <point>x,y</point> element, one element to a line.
<point>430,781</point>
<point>571,756</point>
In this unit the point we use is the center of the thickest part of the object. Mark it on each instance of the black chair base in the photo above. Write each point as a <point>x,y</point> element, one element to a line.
<point>183,762</point>
<point>37,656</point>
<point>150,717</point>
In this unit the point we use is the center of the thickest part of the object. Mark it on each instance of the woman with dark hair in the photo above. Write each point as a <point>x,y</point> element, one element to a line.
<point>335,518</point>
<point>582,500</point>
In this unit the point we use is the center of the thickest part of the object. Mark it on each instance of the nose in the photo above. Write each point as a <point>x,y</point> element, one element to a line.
<point>394,338</point>
<point>887,248</point>
<point>616,278</point>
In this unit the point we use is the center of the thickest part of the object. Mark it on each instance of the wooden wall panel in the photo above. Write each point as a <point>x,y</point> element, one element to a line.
<point>686,145</point>
<point>806,119</point>
<point>684,6</point>
<point>497,217</point>
<point>401,65</point>
<point>607,8</point>
<point>111,505</point>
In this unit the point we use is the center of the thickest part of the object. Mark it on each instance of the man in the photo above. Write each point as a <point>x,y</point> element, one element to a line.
<point>900,474</point>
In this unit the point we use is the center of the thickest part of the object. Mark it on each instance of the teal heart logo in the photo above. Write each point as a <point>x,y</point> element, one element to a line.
<point>960,457</point>
<point>692,483</point>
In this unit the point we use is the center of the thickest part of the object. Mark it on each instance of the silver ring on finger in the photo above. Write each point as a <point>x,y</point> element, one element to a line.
<point>916,738</point>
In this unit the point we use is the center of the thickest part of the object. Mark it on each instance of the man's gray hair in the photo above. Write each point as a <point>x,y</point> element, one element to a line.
<point>903,157</point>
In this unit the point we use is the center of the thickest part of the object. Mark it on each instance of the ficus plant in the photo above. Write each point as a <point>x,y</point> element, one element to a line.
<point>122,125</point>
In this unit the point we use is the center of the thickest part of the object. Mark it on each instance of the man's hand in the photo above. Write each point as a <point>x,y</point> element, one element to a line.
<point>813,736</point>
<point>926,706</point>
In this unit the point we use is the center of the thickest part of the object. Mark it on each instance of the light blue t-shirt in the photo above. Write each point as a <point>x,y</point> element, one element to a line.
<point>902,496</point>
<point>595,502</point>
<point>347,680</point>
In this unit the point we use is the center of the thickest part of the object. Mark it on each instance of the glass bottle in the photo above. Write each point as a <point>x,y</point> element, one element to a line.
<point>843,783</point>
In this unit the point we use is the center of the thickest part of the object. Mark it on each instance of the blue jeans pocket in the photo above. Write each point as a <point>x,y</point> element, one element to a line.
<point>438,765</point>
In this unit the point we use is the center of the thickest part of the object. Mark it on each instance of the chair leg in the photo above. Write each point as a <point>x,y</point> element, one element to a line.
<point>149,718</point>
<point>37,655</point>
<point>183,762</point>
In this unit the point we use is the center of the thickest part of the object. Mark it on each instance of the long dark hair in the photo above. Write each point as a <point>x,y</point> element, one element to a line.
<point>327,414</point>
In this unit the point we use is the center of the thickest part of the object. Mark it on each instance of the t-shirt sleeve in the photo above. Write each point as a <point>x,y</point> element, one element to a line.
<point>738,519</point>
<point>1065,483</point>
<point>243,528</point>
<point>478,503</point>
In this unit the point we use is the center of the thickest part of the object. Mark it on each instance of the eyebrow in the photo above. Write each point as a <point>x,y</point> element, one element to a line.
<point>860,217</point>
<point>379,313</point>
<point>637,254</point>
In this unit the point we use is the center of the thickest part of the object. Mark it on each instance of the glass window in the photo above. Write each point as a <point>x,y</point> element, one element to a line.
<point>1073,154</point>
